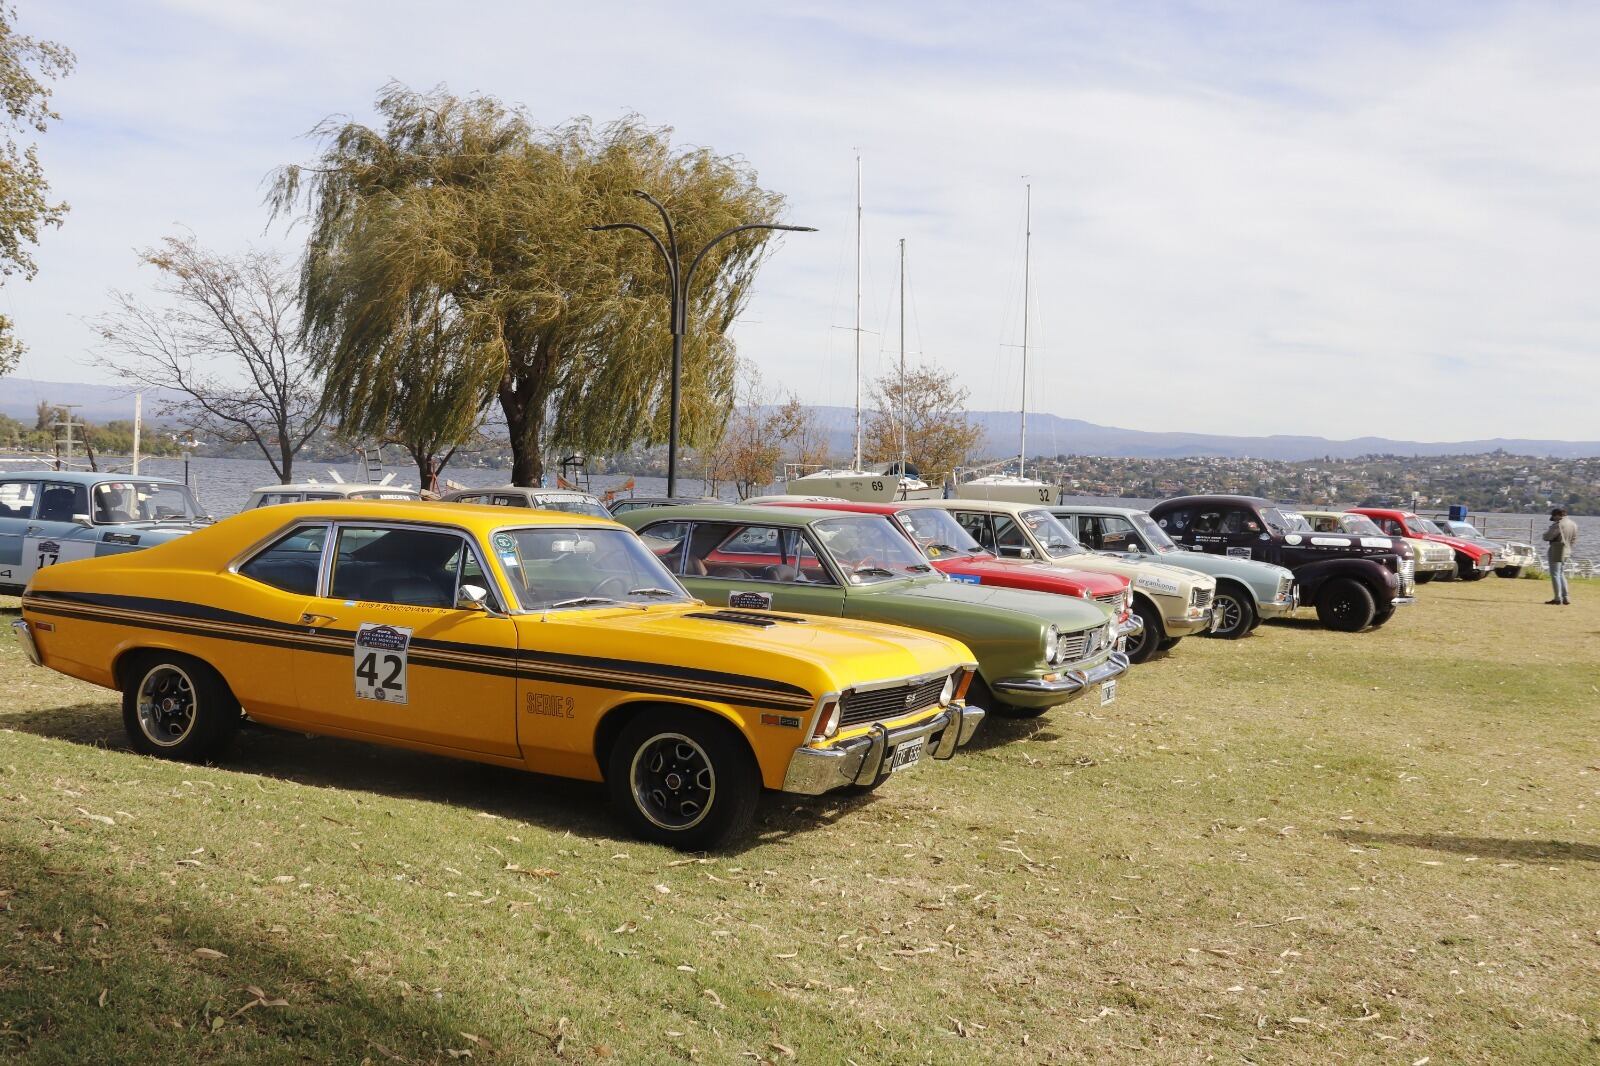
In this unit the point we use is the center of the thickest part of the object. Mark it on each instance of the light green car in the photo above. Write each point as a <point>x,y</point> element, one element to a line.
<point>1248,591</point>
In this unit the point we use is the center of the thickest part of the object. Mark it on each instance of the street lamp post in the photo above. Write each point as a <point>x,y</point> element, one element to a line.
<point>678,280</point>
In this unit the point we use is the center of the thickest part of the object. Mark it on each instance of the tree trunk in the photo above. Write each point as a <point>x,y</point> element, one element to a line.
<point>286,451</point>
<point>524,411</point>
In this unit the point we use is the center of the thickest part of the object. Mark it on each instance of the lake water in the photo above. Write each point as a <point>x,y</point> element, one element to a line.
<point>223,486</point>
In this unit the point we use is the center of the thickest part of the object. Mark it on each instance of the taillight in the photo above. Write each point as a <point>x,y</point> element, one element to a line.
<point>828,721</point>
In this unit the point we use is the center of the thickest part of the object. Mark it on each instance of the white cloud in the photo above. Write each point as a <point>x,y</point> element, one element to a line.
<point>1335,219</point>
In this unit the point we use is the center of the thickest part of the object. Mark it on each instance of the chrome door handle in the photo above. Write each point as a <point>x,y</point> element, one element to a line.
<point>314,620</point>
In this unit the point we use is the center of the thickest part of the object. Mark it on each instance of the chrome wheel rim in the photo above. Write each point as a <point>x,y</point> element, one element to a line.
<point>1136,642</point>
<point>167,705</point>
<point>1232,614</point>
<point>673,783</point>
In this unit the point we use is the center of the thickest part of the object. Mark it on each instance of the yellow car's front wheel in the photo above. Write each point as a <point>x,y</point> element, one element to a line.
<point>683,778</point>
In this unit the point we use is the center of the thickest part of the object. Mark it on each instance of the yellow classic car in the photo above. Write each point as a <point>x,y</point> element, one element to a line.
<point>552,642</point>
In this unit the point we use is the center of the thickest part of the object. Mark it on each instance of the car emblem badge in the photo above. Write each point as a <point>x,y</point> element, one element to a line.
<point>911,696</point>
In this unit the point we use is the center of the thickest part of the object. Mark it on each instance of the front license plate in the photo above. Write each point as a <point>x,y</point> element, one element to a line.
<point>906,754</point>
<point>1108,692</point>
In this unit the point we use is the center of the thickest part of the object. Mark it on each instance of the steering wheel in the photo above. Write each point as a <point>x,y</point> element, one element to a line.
<point>604,587</point>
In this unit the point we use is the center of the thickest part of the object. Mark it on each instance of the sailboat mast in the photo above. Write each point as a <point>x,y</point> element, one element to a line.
<point>858,314</point>
<point>903,398</point>
<point>1027,264</point>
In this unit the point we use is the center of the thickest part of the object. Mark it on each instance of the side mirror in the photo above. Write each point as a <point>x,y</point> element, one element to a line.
<point>83,520</point>
<point>472,598</point>
<point>1025,553</point>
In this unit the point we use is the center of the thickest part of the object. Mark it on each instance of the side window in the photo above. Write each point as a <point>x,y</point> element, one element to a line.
<point>58,503</point>
<point>1118,535</point>
<point>1089,531</point>
<point>17,497</point>
<point>291,562</point>
<point>1392,527</point>
<point>753,553</point>
<point>668,540</point>
<point>505,500</point>
<point>978,527</point>
<point>1326,524</point>
<point>1008,536</point>
<point>476,497</point>
<point>1177,522</point>
<point>411,567</point>
<point>1242,521</point>
<point>1207,523</point>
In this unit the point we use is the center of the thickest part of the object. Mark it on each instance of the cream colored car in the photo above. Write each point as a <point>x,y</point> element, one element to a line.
<point>1171,601</point>
<point>1432,559</point>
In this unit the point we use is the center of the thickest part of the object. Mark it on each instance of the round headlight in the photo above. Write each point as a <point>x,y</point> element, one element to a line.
<point>948,693</point>
<point>1052,644</point>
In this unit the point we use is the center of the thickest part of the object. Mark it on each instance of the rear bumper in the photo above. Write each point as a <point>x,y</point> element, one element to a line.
<point>858,761</point>
<point>25,638</point>
<point>1036,691</point>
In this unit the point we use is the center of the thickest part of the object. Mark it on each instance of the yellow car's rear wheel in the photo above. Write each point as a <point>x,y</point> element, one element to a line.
<point>176,707</point>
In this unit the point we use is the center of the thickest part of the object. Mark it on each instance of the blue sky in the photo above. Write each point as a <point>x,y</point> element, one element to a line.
<point>1339,219</point>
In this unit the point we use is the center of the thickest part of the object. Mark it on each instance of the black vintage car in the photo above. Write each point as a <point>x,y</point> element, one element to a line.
<point>1353,581</point>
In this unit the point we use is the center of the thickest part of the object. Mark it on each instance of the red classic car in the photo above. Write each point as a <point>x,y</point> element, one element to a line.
<point>1473,560</point>
<point>952,551</point>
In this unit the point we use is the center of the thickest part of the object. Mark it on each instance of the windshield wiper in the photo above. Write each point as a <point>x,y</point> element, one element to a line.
<point>581,601</point>
<point>873,570</point>
<point>651,591</point>
<point>921,568</point>
<point>945,548</point>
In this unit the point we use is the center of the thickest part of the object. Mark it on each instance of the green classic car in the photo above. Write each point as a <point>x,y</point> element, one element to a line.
<point>1035,650</point>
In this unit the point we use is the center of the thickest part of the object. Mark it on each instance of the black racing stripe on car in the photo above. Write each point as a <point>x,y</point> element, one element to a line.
<point>197,611</point>
<point>755,692</point>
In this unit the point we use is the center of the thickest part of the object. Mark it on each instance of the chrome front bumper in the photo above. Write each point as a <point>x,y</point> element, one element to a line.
<point>25,638</point>
<point>1070,683</point>
<point>859,760</point>
<point>1130,628</point>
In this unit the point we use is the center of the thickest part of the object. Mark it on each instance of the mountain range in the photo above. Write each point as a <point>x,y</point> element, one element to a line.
<point>1047,434</point>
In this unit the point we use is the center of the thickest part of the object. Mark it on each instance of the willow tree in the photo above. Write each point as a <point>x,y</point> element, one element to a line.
<point>467,201</point>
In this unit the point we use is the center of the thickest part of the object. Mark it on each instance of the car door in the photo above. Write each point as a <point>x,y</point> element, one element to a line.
<point>17,501</point>
<point>1118,535</point>
<point>980,528</point>
<point>1243,536</point>
<point>54,535</point>
<point>1178,524</point>
<point>749,565</point>
<point>394,657</point>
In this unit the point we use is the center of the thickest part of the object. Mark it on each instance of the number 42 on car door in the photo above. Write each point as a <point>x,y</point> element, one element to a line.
<point>380,662</point>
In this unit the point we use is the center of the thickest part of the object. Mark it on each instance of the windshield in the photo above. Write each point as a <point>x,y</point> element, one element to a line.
<point>1464,530</point>
<point>549,568</point>
<point>1052,536</point>
<point>938,533</point>
<point>868,549</point>
<point>1423,524</point>
<point>1153,534</point>
<point>143,501</point>
<point>1285,521</point>
<point>1360,525</point>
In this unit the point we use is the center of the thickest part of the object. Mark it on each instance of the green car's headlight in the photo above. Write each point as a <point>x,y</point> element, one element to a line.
<point>1052,644</point>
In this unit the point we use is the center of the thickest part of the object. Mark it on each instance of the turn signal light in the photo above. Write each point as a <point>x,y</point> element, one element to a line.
<point>828,721</point>
<point>963,684</point>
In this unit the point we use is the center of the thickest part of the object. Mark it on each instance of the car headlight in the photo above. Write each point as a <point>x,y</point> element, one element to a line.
<point>1052,644</point>
<point>1127,598</point>
<point>948,693</point>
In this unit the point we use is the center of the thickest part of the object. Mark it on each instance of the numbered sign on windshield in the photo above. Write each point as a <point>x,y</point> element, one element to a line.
<point>381,662</point>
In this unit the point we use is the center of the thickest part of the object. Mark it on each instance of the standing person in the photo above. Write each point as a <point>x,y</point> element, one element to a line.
<point>1563,536</point>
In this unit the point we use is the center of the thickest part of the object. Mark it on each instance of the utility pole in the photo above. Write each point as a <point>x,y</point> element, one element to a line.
<point>65,422</point>
<point>857,465</point>
<point>138,425</point>
<point>903,399</point>
<point>1027,277</point>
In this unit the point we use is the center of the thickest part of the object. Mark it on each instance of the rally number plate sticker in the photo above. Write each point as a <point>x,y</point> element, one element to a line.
<point>380,662</point>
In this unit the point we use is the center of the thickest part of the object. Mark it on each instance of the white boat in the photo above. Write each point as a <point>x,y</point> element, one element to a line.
<point>1008,487</point>
<point>857,486</point>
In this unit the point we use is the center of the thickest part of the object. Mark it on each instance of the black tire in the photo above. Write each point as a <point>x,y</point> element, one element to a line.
<point>1147,642</point>
<point>683,778</point>
<point>1168,643</point>
<point>1425,576</point>
<point>1509,571</point>
<point>1345,604</point>
<point>1382,615</point>
<point>1237,610</point>
<point>176,707</point>
<point>1468,572</point>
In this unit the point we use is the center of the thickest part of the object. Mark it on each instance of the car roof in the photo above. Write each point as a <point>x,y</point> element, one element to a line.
<point>1095,508</point>
<point>842,505</point>
<point>963,504</point>
<point>1213,498</point>
<point>475,516</point>
<point>80,477</point>
<point>747,513</point>
<point>341,487</point>
<point>540,489</point>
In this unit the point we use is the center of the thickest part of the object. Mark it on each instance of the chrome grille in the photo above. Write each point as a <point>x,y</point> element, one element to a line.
<point>1408,576</point>
<point>1201,597</point>
<point>1110,599</point>
<point>891,701</point>
<point>1070,646</point>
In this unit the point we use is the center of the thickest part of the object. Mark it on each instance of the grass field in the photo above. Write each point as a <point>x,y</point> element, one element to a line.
<point>1304,845</point>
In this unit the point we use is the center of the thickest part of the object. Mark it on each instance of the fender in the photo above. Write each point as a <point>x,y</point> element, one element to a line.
<point>1377,577</point>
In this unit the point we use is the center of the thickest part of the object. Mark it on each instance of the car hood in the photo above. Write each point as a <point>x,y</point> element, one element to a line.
<point>1159,578</point>
<point>1470,547</point>
<point>1045,578</point>
<point>1067,613</point>
<point>1227,565</point>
